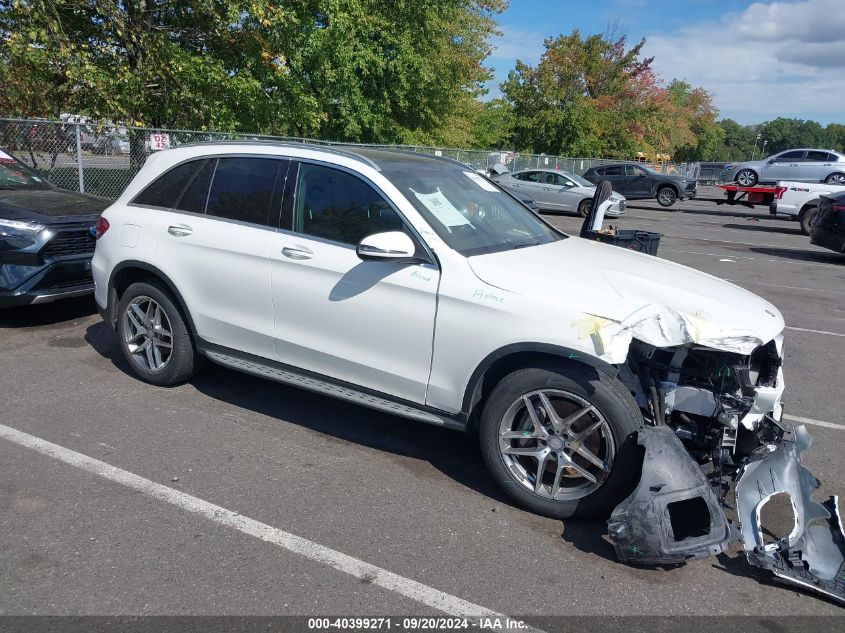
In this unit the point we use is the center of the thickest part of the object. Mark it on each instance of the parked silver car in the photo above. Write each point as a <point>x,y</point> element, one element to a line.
<point>555,190</point>
<point>805,165</point>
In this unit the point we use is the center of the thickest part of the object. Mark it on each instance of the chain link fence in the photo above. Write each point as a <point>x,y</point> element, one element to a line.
<point>103,159</point>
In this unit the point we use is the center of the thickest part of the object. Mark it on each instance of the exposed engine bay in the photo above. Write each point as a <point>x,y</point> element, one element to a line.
<point>714,420</point>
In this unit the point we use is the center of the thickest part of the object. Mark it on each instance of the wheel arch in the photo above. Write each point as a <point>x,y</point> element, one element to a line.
<point>810,204</point>
<point>504,360</point>
<point>671,185</point>
<point>128,272</point>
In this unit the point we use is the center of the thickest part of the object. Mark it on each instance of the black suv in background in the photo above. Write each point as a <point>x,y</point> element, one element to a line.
<point>828,229</point>
<point>637,182</point>
<point>46,237</point>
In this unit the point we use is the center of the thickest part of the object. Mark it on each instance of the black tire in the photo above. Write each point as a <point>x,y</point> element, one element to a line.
<point>584,207</point>
<point>183,361</point>
<point>807,218</point>
<point>835,179</point>
<point>609,397</point>
<point>666,196</point>
<point>746,177</point>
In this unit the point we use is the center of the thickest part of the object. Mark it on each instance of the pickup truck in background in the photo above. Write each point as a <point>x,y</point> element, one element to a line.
<point>801,200</point>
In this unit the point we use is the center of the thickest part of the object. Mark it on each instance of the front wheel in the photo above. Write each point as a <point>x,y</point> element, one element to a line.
<point>561,440</point>
<point>746,178</point>
<point>666,196</point>
<point>584,207</point>
<point>808,218</point>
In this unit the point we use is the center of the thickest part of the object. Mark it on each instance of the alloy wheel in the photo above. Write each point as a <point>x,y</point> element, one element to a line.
<point>147,334</point>
<point>746,178</point>
<point>836,179</point>
<point>556,444</point>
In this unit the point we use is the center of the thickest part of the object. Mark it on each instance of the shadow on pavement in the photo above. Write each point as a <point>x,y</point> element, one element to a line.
<point>787,229</point>
<point>453,453</point>
<point>47,314</point>
<point>722,211</point>
<point>588,537</point>
<point>801,255</point>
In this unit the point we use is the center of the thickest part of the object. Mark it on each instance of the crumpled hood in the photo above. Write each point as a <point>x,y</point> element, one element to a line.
<point>49,206</point>
<point>623,295</point>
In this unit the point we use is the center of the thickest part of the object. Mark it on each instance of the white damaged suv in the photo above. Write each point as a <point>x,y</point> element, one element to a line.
<point>410,284</point>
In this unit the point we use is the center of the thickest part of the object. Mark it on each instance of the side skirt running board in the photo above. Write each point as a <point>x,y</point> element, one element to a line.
<point>327,388</point>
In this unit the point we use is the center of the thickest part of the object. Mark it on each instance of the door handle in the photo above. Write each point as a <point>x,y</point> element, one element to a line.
<point>297,252</point>
<point>179,230</point>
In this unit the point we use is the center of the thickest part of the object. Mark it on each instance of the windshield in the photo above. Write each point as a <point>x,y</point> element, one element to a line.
<point>469,213</point>
<point>578,180</point>
<point>15,175</point>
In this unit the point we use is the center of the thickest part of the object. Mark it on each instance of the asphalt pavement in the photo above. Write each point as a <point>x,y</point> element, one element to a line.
<point>323,507</point>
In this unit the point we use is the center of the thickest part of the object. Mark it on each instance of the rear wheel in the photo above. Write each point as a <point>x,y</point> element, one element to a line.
<point>561,441</point>
<point>584,207</point>
<point>808,218</point>
<point>666,196</point>
<point>835,179</point>
<point>747,177</point>
<point>154,337</point>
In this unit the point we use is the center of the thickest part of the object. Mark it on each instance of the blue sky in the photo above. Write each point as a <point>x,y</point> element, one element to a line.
<point>758,59</point>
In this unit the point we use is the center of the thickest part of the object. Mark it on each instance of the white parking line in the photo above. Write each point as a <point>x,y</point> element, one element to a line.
<point>828,425</point>
<point>449,604</point>
<point>803,329</point>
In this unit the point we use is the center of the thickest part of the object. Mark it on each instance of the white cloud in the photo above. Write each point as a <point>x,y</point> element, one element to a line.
<point>808,21</point>
<point>775,59</point>
<point>518,44</point>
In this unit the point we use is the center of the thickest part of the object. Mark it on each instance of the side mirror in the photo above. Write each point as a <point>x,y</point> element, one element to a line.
<point>392,245</point>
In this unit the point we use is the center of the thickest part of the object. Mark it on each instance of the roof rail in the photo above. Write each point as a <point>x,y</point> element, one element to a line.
<point>328,148</point>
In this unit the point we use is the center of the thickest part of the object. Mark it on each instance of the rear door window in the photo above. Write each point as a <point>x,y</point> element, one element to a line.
<point>613,171</point>
<point>196,194</point>
<point>165,190</point>
<point>242,189</point>
<point>820,157</point>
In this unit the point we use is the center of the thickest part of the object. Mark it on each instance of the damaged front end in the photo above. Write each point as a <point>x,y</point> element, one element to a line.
<point>714,418</point>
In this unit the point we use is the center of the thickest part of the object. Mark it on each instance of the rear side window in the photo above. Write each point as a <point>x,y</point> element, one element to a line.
<point>165,190</point>
<point>196,194</point>
<point>338,206</point>
<point>821,157</point>
<point>242,189</point>
<point>613,171</point>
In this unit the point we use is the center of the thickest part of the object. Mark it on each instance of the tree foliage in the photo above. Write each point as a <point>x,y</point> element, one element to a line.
<point>595,96</point>
<point>363,70</point>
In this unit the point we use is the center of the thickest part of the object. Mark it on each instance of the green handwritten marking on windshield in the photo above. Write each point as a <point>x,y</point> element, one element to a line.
<point>573,355</point>
<point>636,550</point>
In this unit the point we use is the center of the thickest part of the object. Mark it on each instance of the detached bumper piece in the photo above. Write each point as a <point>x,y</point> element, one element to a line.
<point>673,515</point>
<point>812,555</point>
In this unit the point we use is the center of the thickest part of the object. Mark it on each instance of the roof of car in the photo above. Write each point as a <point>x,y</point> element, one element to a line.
<point>546,169</point>
<point>382,159</point>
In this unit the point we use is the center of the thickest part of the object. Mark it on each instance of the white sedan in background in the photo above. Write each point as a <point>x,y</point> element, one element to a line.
<point>555,190</point>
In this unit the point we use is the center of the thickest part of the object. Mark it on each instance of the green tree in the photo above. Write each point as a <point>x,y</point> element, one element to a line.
<point>782,134</point>
<point>595,96</point>
<point>561,105</point>
<point>360,70</point>
<point>833,137</point>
